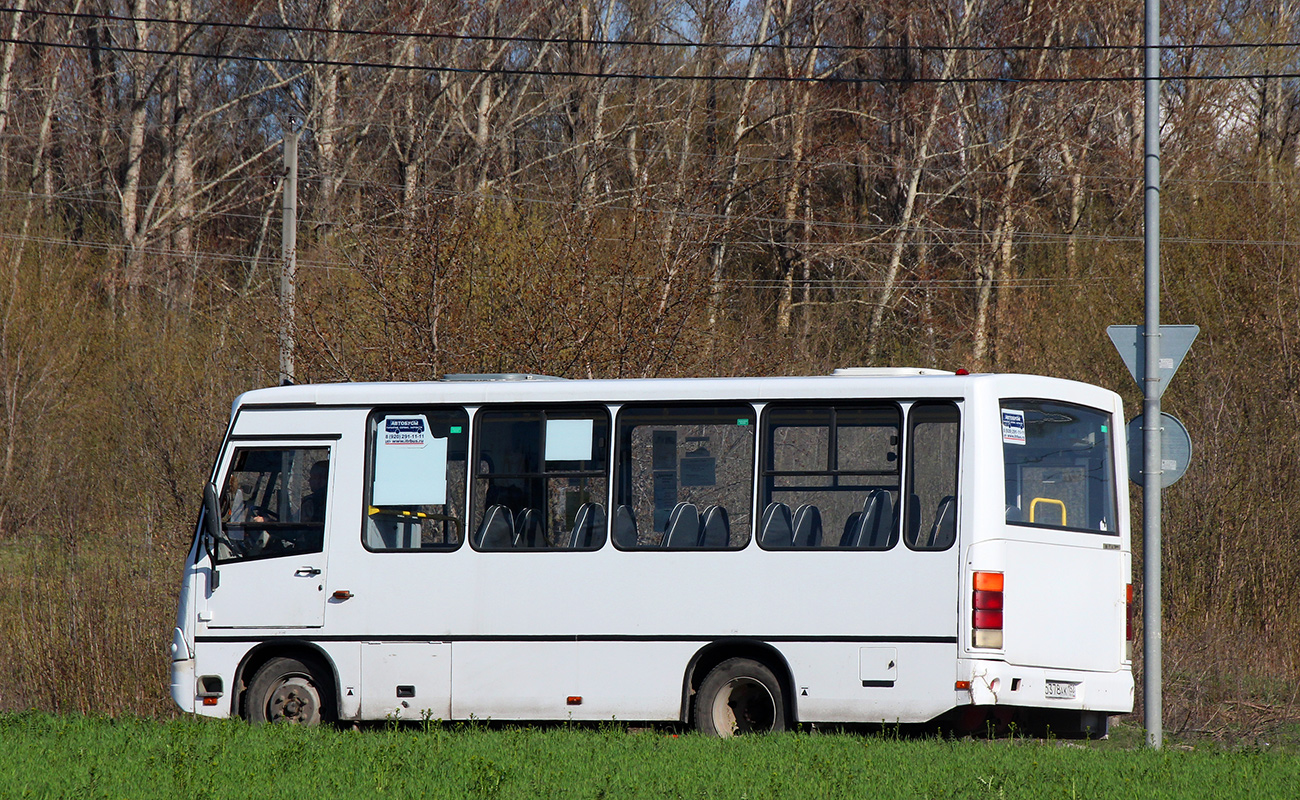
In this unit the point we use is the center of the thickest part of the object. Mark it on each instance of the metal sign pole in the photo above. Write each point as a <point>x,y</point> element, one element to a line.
<point>1151,636</point>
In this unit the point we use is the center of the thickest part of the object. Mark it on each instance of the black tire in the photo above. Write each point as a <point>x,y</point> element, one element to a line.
<point>290,690</point>
<point>739,696</point>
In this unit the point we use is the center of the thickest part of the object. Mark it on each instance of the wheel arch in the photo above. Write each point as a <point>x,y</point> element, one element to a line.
<point>714,653</point>
<point>256,657</point>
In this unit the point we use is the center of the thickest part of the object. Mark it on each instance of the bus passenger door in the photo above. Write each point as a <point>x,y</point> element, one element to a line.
<point>270,552</point>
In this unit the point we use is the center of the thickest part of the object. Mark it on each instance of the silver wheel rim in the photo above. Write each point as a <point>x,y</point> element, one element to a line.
<point>744,705</point>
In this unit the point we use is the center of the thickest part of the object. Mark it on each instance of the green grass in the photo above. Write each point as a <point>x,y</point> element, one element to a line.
<point>72,756</point>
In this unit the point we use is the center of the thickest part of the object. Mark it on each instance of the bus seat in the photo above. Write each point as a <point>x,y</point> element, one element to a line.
<point>528,529</point>
<point>497,531</point>
<point>589,520</point>
<point>807,526</point>
<point>683,526</point>
<point>715,530</point>
<point>777,531</point>
<point>855,531</point>
<point>624,527</point>
<point>872,527</point>
<point>379,535</point>
<point>879,529</point>
<point>409,533</point>
<point>912,514</point>
<point>944,531</point>
<point>851,526</point>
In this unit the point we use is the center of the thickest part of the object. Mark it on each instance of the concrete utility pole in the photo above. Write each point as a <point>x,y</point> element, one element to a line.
<point>1151,479</point>
<point>289,253</point>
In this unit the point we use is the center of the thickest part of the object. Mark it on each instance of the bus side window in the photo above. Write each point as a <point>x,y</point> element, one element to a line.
<point>830,476</point>
<point>415,497</point>
<point>933,438</point>
<point>685,477</point>
<point>542,478</point>
<point>273,503</point>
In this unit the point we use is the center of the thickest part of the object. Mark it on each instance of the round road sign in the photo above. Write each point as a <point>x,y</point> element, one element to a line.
<point>1175,450</point>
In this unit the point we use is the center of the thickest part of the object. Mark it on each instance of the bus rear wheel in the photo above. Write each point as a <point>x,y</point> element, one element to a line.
<point>289,690</point>
<point>739,696</point>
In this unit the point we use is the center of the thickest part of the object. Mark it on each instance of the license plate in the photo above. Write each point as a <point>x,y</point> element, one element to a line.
<point>1060,690</point>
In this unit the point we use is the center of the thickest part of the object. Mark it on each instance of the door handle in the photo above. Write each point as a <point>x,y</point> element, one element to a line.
<point>306,572</point>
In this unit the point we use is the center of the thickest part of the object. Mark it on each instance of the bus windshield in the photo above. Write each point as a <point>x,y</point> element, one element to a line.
<point>1057,461</point>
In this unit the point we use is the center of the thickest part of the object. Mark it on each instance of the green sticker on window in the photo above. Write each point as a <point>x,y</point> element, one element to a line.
<point>742,422</point>
<point>455,429</point>
<point>1104,429</point>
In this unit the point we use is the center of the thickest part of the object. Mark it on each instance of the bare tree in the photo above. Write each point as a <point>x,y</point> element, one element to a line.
<point>956,25</point>
<point>800,29</point>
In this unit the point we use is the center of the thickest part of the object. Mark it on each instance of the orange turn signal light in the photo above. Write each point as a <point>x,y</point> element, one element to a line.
<point>988,581</point>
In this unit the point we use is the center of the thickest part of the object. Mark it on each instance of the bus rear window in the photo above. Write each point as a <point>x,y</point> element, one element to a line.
<point>1058,466</point>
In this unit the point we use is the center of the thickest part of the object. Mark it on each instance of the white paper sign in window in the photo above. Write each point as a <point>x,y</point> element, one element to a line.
<point>1013,426</point>
<point>410,463</point>
<point>569,439</point>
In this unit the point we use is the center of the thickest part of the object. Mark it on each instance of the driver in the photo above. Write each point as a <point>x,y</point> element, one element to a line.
<point>313,505</point>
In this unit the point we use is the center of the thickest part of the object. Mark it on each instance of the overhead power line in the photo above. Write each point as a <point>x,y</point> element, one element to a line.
<point>554,73</point>
<point>682,44</point>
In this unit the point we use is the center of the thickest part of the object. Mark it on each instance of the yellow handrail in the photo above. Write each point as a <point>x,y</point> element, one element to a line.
<point>1049,501</point>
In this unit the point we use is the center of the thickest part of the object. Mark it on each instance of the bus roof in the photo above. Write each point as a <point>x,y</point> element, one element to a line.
<point>523,388</point>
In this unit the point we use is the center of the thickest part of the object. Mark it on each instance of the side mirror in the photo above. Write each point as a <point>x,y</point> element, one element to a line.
<point>211,520</point>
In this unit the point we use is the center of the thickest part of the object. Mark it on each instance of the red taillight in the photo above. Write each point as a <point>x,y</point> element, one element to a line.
<point>986,615</point>
<point>1128,612</point>
<point>988,601</point>
<point>1128,622</point>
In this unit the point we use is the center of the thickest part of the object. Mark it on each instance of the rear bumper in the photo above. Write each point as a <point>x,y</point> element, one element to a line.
<point>997,683</point>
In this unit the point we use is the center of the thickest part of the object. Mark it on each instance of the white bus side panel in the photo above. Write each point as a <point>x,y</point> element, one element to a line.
<point>530,630</point>
<point>513,680</point>
<point>832,686</point>
<point>406,680</point>
<point>632,680</point>
<point>534,680</point>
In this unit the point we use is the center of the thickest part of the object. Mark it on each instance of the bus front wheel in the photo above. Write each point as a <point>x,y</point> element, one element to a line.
<point>289,690</point>
<point>739,696</point>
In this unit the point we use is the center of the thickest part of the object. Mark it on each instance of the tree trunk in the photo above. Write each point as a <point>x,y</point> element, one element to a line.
<point>792,257</point>
<point>6,82</point>
<point>727,196</point>
<point>181,288</point>
<point>131,222</point>
<point>327,132</point>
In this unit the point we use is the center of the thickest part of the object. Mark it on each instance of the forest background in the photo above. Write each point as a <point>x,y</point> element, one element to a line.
<point>620,188</point>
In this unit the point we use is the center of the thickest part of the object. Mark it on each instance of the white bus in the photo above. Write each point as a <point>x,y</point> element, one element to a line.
<point>738,554</point>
